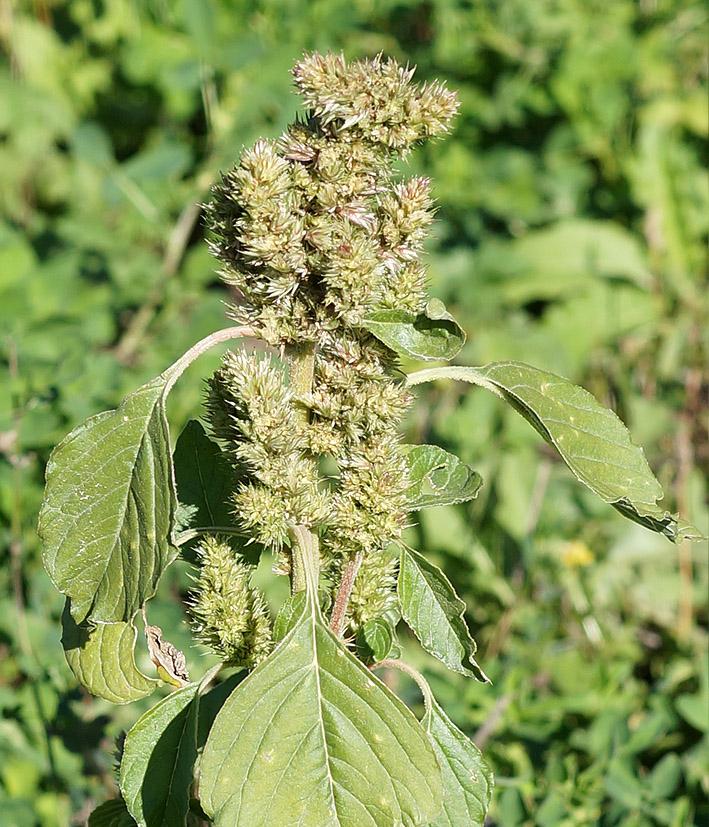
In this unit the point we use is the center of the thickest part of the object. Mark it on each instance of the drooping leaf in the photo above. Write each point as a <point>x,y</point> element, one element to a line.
<point>438,478</point>
<point>375,640</point>
<point>434,613</point>
<point>109,506</point>
<point>158,761</point>
<point>312,738</point>
<point>590,438</point>
<point>467,779</point>
<point>431,336</point>
<point>168,660</point>
<point>112,813</point>
<point>203,478</point>
<point>102,659</point>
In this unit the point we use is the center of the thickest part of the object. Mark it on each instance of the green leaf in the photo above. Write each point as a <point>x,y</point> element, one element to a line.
<point>467,779</point>
<point>434,612</point>
<point>109,506</point>
<point>590,439</point>
<point>113,813</point>
<point>431,336</point>
<point>102,659</point>
<point>438,478</point>
<point>665,776</point>
<point>291,610</point>
<point>158,760</point>
<point>622,783</point>
<point>694,710</point>
<point>375,640</point>
<point>288,614</point>
<point>203,478</point>
<point>312,738</point>
<point>211,702</point>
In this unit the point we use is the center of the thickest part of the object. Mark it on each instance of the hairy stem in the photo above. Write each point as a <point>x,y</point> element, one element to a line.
<point>305,558</point>
<point>342,599</point>
<point>451,372</point>
<point>301,360</point>
<point>390,663</point>
<point>190,533</point>
<point>180,366</point>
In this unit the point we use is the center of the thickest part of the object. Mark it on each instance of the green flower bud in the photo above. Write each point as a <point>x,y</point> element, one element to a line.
<point>374,590</point>
<point>373,99</point>
<point>230,616</point>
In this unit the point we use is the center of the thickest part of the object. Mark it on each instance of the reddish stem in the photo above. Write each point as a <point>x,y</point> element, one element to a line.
<point>337,619</point>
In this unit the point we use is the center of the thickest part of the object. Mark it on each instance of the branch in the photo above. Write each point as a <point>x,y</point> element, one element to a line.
<point>342,599</point>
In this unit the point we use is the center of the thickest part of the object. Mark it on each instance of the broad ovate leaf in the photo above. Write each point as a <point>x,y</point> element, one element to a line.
<point>590,438</point>
<point>467,779</point>
<point>158,761</point>
<point>434,612</point>
<point>438,478</point>
<point>203,477</point>
<point>431,336</point>
<point>102,659</point>
<point>109,505</point>
<point>312,738</point>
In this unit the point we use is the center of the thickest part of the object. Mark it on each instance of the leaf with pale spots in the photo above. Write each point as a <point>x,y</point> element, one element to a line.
<point>109,507</point>
<point>101,658</point>
<point>312,738</point>
<point>434,613</point>
<point>591,439</point>
<point>438,478</point>
<point>467,779</point>
<point>431,336</point>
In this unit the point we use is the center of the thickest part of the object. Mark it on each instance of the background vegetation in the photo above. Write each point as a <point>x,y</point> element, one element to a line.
<point>574,211</point>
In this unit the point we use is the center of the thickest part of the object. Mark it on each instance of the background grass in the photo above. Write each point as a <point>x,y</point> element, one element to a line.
<point>572,231</point>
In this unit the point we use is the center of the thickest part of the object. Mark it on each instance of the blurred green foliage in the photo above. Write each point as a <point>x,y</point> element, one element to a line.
<point>572,232</point>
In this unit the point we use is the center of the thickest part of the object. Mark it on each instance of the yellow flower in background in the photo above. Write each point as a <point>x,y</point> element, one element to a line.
<point>576,554</point>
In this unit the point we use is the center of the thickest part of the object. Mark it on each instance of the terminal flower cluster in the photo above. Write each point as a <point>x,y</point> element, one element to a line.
<point>315,232</point>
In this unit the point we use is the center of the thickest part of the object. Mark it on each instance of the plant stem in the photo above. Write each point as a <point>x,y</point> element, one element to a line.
<point>16,550</point>
<point>301,360</point>
<point>481,737</point>
<point>176,370</point>
<point>190,533</point>
<point>30,667</point>
<point>305,559</point>
<point>305,549</point>
<point>451,372</point>
<point>685,454</point>
<point>390,663</point>
<point>339,610</point>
